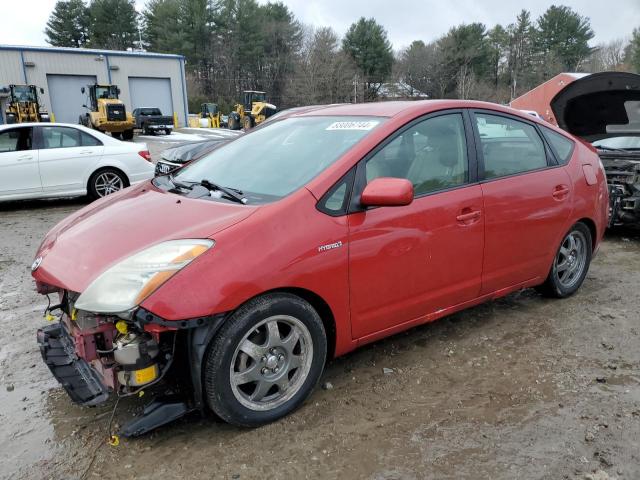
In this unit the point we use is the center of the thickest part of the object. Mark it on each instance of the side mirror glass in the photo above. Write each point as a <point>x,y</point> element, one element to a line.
<point>387,192</point>
<point>82,90</point>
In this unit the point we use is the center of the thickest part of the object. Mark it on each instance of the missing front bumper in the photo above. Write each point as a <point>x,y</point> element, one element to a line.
<point>81,382</point>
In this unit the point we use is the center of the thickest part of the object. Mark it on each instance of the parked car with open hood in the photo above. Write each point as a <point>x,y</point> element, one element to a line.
<point>60,160</point>
<point>175,157</point>
<point>244,272</point>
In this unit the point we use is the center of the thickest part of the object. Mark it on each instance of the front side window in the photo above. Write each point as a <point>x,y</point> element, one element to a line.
<point>509,146</point>
<point>432,155</point>
<point>272,162</point>
<point>15,140</point>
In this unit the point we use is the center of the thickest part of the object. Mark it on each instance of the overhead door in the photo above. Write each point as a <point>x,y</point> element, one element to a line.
<point>151,92</point>
<point>66,97</point>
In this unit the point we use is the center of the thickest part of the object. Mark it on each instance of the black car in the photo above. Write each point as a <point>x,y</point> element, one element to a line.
<point>175,157</point>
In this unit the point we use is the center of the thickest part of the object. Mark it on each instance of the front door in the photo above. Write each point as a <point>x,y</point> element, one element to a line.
<point>406,262</point>
<point>19,173</point>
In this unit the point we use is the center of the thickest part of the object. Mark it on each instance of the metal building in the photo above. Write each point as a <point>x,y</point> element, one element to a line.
<point>145,79</point>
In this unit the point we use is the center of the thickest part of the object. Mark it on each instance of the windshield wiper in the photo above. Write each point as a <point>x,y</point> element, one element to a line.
<point>230,193</point>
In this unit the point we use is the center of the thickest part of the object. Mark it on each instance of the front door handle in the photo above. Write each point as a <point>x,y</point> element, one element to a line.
<point>468,216</point>
<point>560,192</point>
<point>85,152</point>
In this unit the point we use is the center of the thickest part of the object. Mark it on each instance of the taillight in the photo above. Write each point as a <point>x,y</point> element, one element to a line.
<point>145,154</point>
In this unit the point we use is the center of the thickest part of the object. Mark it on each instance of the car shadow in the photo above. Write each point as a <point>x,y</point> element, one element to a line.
<point>38,204</point>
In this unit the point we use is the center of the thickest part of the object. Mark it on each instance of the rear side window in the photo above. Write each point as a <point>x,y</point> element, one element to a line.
<point>509,146</point>
<point>15,140</point>
<point>561,145</point>
<point>60,137</point>
<point>89,140</point>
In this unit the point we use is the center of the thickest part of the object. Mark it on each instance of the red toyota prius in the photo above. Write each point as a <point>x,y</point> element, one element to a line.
<point>241,274</point>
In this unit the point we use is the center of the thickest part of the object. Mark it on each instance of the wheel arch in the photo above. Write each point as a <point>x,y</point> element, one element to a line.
<point>591,225</point>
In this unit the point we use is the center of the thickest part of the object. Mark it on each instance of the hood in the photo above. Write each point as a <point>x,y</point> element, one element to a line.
<point>89,241</point>
<point>601,105</point>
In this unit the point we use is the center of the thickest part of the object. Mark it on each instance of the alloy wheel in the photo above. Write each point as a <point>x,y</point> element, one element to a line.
<point>107,183</point>
<point>271,363</point>
<point>571,259</point>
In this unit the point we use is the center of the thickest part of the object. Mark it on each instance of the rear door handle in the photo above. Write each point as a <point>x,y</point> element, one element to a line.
<point>25,157</point>
<point>467,215</point>
<point>560,192</point>
<point>86,152</point>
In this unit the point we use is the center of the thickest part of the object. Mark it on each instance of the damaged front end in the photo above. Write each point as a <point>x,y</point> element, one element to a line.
<point>96,355</point>
<point>623,177</point>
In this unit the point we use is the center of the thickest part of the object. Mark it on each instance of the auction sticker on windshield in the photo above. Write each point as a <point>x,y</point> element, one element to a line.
<point>352,125</point>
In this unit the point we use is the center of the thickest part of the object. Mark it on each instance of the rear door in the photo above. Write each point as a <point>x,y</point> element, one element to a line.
<point>67,155</point>
<point>527,200</point>
<point>407,262</point>
<point>19,173</point>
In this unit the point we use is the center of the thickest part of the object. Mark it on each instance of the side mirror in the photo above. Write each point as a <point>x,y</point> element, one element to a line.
<point>387,192</point>
<point>41,91</point>
<point>84,106</point>
<point>118,90</point>
<point>82,90</point>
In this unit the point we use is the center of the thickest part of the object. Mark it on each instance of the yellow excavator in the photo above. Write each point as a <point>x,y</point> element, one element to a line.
<point>253,111</point>
<point>24,105</point>
<point>211,113</point>
<point>107,113</point>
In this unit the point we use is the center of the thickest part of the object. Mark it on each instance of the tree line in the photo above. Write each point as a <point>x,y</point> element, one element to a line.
<point>235,45</point>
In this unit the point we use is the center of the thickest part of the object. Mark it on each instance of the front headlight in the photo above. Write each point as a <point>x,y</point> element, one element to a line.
<point>125,285</point>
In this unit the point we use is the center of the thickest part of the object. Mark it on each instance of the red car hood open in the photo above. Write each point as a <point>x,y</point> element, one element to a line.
<point>88,242</point>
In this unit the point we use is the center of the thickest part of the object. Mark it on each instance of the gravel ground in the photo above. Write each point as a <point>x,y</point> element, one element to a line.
<point>523,387</point>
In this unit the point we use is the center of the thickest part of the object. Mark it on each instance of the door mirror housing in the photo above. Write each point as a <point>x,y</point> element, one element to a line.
<point>387,192</point>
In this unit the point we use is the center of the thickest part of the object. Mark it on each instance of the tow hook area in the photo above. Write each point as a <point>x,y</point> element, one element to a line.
<point>160,411</point>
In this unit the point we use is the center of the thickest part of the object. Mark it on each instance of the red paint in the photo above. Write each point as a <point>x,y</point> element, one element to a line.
<point>387,192</point>
<point>396,267</point>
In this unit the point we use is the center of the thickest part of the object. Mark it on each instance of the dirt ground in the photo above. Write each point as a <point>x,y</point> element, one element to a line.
<point>521,388</point>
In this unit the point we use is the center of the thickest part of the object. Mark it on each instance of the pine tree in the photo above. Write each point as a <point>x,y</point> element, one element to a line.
<point>68,24</point>
<point>114,24</point>
<point>633,51</point>
<point>366,42</point>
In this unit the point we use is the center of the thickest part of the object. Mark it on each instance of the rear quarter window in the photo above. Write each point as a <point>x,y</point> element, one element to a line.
<point>562,147</point>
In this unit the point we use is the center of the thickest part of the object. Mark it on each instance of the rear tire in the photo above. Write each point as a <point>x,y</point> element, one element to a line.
<point>265,361</point>
<point>105,182</point>
<point>248,122</point>
<point>570,264</point>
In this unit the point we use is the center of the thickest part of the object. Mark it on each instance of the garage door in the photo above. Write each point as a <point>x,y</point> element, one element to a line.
<point>151,92</point>
<point>66,98</point>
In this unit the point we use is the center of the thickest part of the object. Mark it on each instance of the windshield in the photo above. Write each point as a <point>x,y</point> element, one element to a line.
<point>625,143</point>
<point>107,92</point>
<point>24,93</point>
<point>274,161</point>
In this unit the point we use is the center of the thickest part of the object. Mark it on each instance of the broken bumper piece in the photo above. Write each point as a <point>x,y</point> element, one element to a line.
<point>81,382</point>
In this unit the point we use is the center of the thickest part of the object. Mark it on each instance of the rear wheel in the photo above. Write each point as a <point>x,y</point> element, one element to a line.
<point>105,182</point>
<point>571,263</point>
<point>265,361</point>
<point>248,122</point>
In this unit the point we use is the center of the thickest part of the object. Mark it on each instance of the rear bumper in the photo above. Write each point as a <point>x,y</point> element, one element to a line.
<point>79,379</point>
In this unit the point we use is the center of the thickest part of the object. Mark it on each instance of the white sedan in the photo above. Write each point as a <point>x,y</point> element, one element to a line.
<point>39,160</point>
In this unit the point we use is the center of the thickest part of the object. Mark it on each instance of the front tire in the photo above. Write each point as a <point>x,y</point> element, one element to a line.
<point>265,361</point>
<point>570,265</point>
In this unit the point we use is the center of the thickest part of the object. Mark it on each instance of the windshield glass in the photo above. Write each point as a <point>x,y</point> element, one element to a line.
<point>107,92</point>
<point>23,93</point>
<point>274,161</point>
<point>625,143</point>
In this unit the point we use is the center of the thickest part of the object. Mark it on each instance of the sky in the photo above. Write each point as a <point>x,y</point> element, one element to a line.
<point>405,20</point>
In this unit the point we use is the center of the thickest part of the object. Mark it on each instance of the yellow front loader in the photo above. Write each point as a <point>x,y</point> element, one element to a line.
<point>211,113</point>
<point>107,113</point>
<point>252,112</point>
<point>24,105</point>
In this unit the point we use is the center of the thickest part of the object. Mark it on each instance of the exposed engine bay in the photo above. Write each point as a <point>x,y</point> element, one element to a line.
<point>623,177</point>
